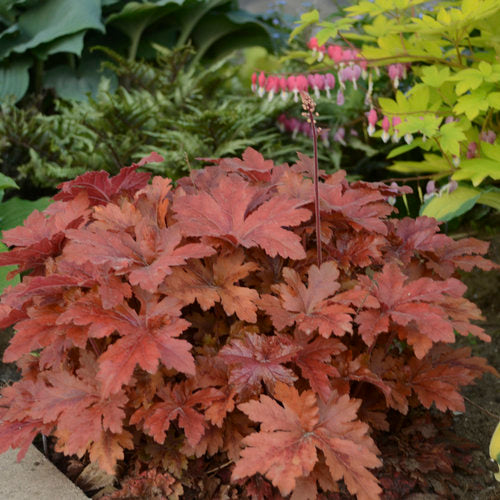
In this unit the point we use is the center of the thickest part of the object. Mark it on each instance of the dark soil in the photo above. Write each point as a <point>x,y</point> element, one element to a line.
<point>472,481</point>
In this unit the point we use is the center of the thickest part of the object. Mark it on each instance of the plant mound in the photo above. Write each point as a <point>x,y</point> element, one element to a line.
<point>187,339</point>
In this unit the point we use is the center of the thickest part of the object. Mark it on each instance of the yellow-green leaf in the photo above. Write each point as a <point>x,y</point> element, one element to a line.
<point>468,79</point>
<point>477,169</point>
<point>485,68</point>
<point>491,198</point>
<point>471,104</point>
<point>451,205</point>
<point>495,448</point>
<point>426,125</point>
<point>306,20</point>
<point>494,100</point>
<point>492,151</point>
<point>431,164</point>
<point>435,76</point>
<point>450,136</point>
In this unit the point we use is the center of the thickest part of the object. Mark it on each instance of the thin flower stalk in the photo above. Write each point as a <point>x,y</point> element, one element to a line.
<point>309,107</point>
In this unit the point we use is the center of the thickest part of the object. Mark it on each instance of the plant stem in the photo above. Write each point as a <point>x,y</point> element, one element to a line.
<point>38,75</point>
<point>316,193</point>
<point>309,106</point>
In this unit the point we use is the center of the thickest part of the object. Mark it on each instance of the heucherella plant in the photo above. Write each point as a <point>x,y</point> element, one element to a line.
<point>442,65</point>
<point>258,330</point>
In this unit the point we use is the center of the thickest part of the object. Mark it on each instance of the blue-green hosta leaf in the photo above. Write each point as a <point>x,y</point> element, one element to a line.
<point>135,17</point>
<point>77,83</point>
<point>477,169</point>
<point>4,270</point>
<point>447,206</point>
<point>9,38</point>
<point>72,44</point>
<point>14,211</point>
<point>52,19</point>
<point>225,32</point>
<point>14,78</point>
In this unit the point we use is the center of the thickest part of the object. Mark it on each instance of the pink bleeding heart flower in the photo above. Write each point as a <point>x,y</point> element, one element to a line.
<point>472,150</point>
<point>302,83</point>
<point>254,82</point>
<point>396,72</point>
<point>372,121</point>
<point>312,43</point>
<point>356,73</point>
<point>363,64</point>
<point>340,97</point>
<point>488,136</point>
<point>262,84</point>
<point>321,52</point>
<point>282,122</point>
<point>295,126</point>
<point>396,120</point>
<point>283,86</point>
<point>317,82</point>
<point>305,128</point>
<point>293,87</point>
<point>329,83</point>
<point>452,186</point>
<point>345,74</point>
<point>323,135</point>
<point>336,53</point>
<point>339,136</point>
<point>430,190</point>
<point>272,86</point>
<point>348,56</point>
<point>386,125</point>
<point>431,187</point>
<point>392,199</point>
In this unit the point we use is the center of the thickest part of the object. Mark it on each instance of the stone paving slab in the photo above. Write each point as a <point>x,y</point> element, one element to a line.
<point>34,478</point>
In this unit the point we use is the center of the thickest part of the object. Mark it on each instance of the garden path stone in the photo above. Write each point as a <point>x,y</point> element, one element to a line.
<point>34,478</point>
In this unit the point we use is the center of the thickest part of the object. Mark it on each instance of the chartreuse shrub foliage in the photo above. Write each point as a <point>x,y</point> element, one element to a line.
<point>442,59</point>
<point>54,38</point>
<point>191,339</point>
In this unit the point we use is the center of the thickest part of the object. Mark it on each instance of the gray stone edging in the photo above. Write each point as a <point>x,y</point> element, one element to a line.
<point>34,478</point>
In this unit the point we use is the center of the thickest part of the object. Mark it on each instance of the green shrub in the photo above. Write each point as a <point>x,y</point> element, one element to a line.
<point>449,101</point>
<point>182,111</point>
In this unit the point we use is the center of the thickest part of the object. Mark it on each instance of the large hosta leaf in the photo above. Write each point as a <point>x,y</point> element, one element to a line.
<point>14,78</point>
<point>53,19</point>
